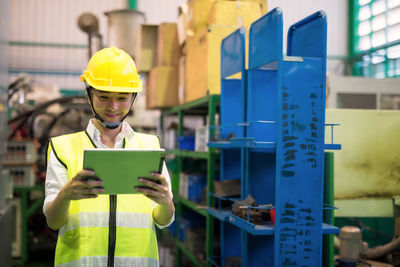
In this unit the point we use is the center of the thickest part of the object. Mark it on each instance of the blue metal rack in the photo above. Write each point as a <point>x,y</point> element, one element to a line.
<point>232,114</point>
<point>271,135</point>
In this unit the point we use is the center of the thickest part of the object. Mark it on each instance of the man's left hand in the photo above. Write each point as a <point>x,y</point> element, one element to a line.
<point>158,192</point>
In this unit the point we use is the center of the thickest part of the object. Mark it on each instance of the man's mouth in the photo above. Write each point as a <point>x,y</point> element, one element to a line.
<point>112,115</point>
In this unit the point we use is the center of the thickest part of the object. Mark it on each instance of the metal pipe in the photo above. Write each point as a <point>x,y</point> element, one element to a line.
<point>380,251</point>
<point>132,4</point>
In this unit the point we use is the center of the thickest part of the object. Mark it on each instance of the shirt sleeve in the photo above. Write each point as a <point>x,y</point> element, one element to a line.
<point>56,177</point>
<point>168,178</point>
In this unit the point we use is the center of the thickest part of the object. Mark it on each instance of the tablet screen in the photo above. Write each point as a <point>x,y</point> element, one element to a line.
<point>119,169</point>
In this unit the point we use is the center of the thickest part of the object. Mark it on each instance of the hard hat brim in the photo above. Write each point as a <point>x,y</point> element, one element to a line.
<point>115,89</point>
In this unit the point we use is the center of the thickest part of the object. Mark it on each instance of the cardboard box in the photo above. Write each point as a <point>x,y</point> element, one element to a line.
<point>191,186</point>
<point>262,3</point>
<point>146,47</point>
<point>227,188</point>
<point>150,92</point>
<point>203,61</point>
<point>168,49</point>
<point>234,13</point>
<point>183,185</point>
<point>162,87</point>
<point>198,11</point>
<point>182,80</point>
<point>183,23</point>
<point>201,139</point>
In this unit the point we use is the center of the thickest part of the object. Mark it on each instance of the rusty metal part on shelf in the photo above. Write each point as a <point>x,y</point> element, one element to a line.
<point>243,209</point>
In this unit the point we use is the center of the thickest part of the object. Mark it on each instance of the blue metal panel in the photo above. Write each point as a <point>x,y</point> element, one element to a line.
<point>262,105</point>
<point>300,166</point>
<point>260,251</point>
<point>230,241</point>
<point>231,109</point>
<point>307,38</point>
<point>230,167</point>
<point>233,53</point>
<point>265,40</point>
<point>232,90</point>
<point>300,146</point>
<point>261,177</point>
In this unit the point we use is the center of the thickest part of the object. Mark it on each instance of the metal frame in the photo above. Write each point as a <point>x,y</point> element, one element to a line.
<point>26,211</point>
<point>284,97</point>
<point>206,106</point>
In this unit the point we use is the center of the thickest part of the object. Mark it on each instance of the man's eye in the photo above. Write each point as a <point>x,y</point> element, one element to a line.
<point>103,97</point>
<point>122,98</point>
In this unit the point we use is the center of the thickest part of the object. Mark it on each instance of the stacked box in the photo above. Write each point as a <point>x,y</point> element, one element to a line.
<point>183,185</point>
<point>189,222</point>
<point>198,11</point>
<point>162,86</point>
<point>20,152</point>
<point>201,139</point>
<point>21,175</point>
<point>182,80</point>
<point>146,47</point>
<point>183,23</point>
<point>204,49</point>
<point>203,61</point>
<point>167,46</point>
<point>170,138</point>
<point>162,89</point>
<point>20,162</point>
<point>262,3</point>
<point>234,13</point>
<point>191,186</point>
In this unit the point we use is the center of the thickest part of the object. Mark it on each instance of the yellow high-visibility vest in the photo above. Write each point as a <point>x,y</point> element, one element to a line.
<point>110,230</point>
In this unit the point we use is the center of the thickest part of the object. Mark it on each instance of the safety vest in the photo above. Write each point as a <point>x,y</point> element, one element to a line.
<point>110,230</point>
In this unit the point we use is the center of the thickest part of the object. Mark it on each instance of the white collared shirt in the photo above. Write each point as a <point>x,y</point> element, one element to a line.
<point>57,176</point>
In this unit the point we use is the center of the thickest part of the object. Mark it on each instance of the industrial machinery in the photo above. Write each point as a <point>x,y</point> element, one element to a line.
<point>89,23</point>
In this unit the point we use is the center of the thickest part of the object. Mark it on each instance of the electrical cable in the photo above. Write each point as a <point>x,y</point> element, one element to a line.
<point>23,117</point>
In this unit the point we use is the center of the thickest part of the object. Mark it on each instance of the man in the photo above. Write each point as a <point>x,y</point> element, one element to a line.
<point>105,230</point>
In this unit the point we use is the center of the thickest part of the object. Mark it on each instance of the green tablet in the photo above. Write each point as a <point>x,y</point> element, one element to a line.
<point>119,169</point>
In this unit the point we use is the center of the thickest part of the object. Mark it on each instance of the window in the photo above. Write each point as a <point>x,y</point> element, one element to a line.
<point>375,38</point>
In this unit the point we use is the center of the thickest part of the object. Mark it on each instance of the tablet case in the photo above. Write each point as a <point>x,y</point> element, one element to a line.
<point>119,169</point>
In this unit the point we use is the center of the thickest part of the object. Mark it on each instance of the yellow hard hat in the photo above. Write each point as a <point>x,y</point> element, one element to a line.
<point>112,70</point>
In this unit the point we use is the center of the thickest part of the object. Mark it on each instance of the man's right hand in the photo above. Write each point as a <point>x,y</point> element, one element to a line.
<point>83,185</point>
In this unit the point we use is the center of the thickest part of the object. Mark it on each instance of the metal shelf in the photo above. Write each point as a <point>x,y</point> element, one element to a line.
<point>181,246</point>
<point>192,205</point>
<point>205,106</point>
<point>228,216</point>
<point>332,147</point>
<point>188,253</point>
<point>188,153</point>
<point>198,106</point>
<point>265,146</point>
<point>27,210</point>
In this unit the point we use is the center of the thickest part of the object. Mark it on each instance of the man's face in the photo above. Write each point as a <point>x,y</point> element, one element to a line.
<point>111,107</point>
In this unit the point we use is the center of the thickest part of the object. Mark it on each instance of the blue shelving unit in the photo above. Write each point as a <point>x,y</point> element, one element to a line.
<point>271,136</point>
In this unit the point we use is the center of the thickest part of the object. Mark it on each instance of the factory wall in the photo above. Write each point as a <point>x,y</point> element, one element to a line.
<point>337,17</point>
<point>46,43</point>
<point>160,11</point>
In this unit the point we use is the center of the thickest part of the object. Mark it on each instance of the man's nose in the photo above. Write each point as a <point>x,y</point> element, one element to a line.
<point>113,104</point>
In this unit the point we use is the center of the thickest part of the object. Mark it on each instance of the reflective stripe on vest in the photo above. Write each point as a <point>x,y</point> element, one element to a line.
<point>86,234</point>
<point>119,262</point>
<point>101,219</point>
